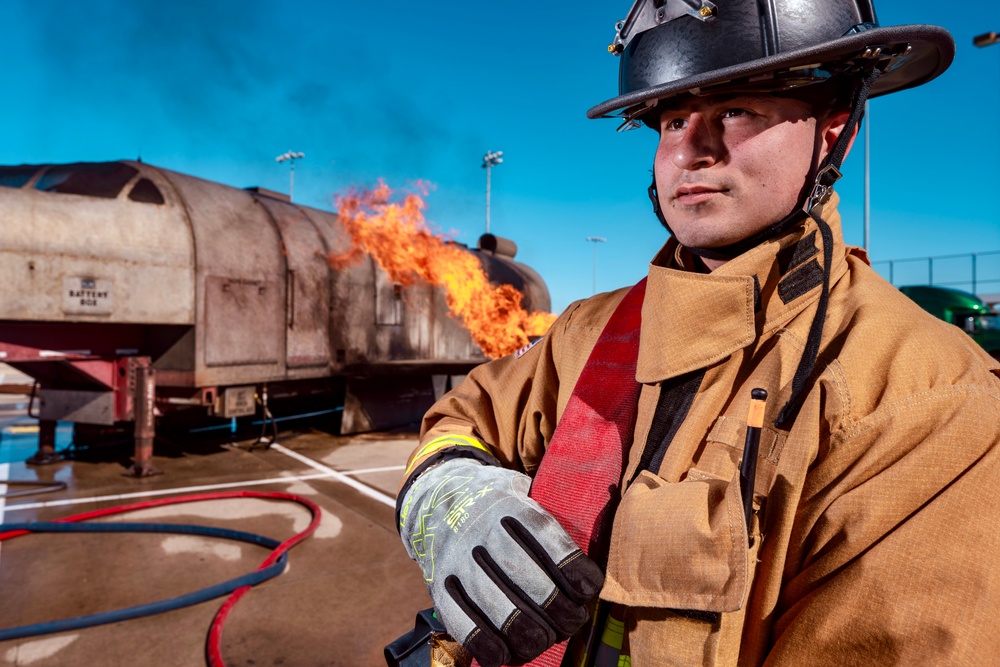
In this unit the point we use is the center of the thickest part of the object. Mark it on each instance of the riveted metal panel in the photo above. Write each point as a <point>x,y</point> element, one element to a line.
<point>235,332</point>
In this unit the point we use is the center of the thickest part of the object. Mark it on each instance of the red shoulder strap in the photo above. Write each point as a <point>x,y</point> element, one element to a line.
<point>579,477</point>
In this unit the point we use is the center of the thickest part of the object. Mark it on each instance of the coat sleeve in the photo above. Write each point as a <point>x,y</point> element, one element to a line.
<point>508,406</point>
<point>895,556</point>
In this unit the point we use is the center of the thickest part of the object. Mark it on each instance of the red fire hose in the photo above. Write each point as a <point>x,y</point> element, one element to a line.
<point>214,642</point>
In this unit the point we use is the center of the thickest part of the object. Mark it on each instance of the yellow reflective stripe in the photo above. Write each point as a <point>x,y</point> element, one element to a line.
<point>444,441</point>
<point>614,633</point>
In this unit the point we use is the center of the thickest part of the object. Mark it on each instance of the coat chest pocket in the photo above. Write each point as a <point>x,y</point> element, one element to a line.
<point>680,546</point>
<point>681,559</point>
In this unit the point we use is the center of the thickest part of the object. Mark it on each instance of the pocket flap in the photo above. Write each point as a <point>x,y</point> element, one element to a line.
<point>679,545</point>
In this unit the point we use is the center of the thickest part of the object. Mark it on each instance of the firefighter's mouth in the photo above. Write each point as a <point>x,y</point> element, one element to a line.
<point>692,195</point>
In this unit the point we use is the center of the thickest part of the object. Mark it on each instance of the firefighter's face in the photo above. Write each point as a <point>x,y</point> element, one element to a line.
<point>730,166</point>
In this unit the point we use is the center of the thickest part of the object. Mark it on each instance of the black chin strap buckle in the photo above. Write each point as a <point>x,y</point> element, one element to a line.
<point>823,189</point>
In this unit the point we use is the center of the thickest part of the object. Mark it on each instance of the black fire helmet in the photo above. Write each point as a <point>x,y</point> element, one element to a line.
<point>700,47</point>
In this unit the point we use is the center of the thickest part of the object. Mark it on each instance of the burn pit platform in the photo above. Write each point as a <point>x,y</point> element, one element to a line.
<point>347,591</point>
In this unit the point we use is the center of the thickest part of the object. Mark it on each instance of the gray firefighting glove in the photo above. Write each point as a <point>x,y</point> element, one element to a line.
<point>506,579</point>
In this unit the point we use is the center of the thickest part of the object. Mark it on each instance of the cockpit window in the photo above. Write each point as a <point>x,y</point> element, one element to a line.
<point>96,180</point>
<point>16,177</point>
<point>146,192</point>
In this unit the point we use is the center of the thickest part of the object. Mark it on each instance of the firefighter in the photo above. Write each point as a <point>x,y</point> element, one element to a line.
<point>590,487</point>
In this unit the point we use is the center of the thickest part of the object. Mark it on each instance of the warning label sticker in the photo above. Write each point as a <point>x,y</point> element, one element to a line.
<point>91,296</point>
<point>239,402</point>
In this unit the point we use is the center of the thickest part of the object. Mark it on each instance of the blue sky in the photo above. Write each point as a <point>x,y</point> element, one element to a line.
<point>408,91</point>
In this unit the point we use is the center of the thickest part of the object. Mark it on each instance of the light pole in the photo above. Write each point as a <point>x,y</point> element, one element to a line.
<point>868,179</point>
<point>985,39</point>
<point>595,240</point>
<point>291,157</point>
<point>490,160</point>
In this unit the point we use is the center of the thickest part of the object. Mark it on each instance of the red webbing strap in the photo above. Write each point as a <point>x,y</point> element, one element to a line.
<point>579,477</point>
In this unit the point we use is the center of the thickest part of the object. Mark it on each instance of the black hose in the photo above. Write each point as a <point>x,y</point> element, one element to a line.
<point>186,600</point>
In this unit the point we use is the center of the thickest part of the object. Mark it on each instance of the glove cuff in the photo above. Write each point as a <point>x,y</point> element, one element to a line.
<point>442,449</point>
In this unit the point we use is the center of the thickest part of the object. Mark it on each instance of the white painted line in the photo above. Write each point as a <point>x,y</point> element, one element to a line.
<point>339,476</point>
<point>4,470</point>
<point>325,472</point>
<point>162,492</point>
<point>365,471</point>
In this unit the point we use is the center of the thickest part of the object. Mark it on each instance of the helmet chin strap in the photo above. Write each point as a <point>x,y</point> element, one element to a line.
<point>827,175</point>
<point>817,191</point>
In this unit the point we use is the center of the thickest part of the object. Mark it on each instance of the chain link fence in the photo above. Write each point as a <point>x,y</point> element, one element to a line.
<point>976,272</point>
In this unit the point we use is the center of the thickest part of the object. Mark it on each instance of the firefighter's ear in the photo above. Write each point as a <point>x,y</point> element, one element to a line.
<point>830,128</point>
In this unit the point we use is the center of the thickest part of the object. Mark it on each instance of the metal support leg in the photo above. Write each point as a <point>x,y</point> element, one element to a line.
<point>46,453</point>
<point>145,426</point>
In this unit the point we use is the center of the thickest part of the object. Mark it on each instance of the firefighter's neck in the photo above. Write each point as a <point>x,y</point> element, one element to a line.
<point>712,264</point>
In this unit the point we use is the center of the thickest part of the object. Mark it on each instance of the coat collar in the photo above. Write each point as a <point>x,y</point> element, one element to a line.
<point>691,320</point>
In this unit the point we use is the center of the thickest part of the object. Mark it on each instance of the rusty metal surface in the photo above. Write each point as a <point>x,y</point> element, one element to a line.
<point>145,426</point>
<point>497,246</point>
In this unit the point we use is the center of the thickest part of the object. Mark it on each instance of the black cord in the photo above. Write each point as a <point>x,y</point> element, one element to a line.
<point>811,352</point>
<point>262,440</point>
<point>31,399</point>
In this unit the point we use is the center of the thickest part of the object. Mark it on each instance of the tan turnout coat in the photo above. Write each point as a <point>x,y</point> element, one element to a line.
<point>877,534</point>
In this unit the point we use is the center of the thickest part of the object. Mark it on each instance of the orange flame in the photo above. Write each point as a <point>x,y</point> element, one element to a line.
<point>397,236</point>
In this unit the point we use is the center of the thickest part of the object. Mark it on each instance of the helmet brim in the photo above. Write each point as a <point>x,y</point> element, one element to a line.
<point>932,50</point>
